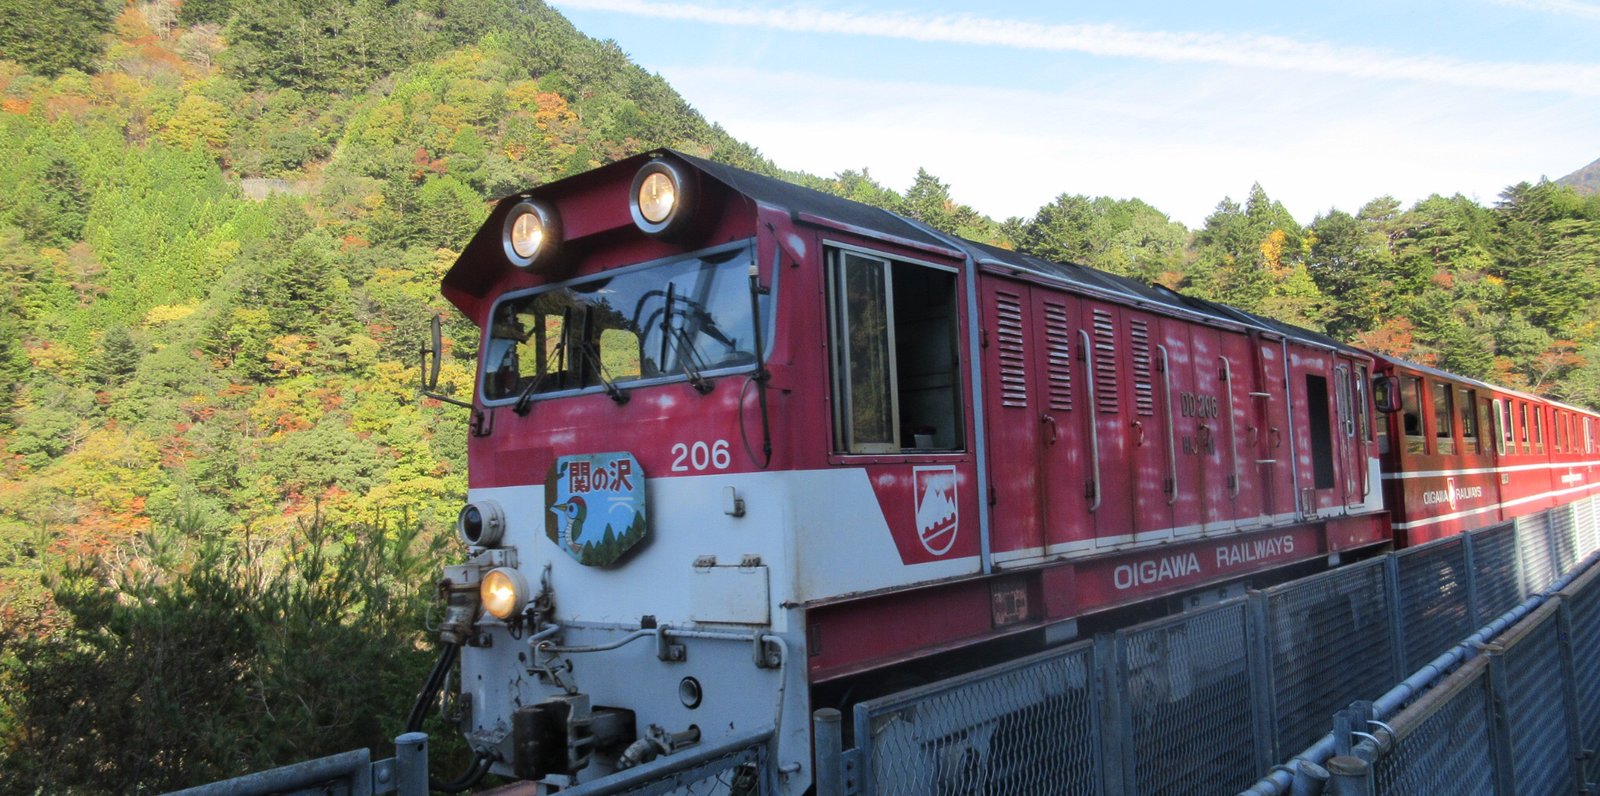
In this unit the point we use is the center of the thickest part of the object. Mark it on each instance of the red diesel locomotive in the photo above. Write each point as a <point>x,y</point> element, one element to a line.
<point>741,450</point>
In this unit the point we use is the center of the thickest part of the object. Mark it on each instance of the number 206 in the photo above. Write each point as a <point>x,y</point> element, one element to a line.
<point>700,456</point>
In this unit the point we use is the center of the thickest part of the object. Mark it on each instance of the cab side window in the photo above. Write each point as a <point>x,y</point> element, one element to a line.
<point>893,335</point>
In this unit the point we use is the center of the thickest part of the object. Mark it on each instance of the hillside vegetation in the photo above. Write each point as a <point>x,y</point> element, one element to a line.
<point>223,225</point>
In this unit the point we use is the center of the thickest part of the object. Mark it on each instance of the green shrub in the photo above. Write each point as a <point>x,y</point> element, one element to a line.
<point>195,657</point>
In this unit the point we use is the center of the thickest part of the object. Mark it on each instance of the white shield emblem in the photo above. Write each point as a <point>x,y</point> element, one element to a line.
<point>938,515</point>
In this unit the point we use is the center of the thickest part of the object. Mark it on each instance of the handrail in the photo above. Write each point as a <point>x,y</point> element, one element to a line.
<point>1094,422</point>
<point>1172,446</point>
<point>1233,436</point>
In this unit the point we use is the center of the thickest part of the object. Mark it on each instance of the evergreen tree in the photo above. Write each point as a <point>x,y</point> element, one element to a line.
<point>52,36</point>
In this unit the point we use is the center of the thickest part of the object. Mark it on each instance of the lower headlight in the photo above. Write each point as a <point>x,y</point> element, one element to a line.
<point>503,592</point>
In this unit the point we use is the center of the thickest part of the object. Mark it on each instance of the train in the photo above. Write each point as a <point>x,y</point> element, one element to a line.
<point>740,450</point>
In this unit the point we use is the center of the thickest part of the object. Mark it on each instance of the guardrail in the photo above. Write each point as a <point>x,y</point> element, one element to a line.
<point>737,766</point>
<point>1203,701</point>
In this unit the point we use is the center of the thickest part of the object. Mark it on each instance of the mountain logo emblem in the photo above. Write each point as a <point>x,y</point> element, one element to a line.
<point>938,513</point>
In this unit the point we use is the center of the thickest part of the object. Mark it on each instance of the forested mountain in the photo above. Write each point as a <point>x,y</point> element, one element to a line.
<point>222,228</point>
<point>1585,180</point>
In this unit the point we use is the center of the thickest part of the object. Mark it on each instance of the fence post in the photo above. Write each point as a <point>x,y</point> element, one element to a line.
<point>826,730</point>
<point>1397,630</point>
<point>1349,775</point>
<point>1569,688</point>
<point>1499,724</point>
<point>1467,545</point>
<point>1115,742</point>
<point>1263,690</point>
<point>411,764</point>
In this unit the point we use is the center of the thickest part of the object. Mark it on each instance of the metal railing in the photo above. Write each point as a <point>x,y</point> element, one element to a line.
<point>1204,701</point>
<point>350,773</point>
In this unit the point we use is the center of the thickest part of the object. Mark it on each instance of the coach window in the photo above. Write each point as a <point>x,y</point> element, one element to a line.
<point>1588,435</point>
<point>1467,403</point>
<point>1538,429</point>
<point>1522,426</point>
<point>896,379</point>
<point>1443,420</point>
<point>1502,426</point>
<point>1555,420</point>
<point>1411,414</point>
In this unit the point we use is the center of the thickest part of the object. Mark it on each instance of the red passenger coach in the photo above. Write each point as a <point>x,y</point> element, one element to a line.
<point>741,450</point>
<point>1460,454</point>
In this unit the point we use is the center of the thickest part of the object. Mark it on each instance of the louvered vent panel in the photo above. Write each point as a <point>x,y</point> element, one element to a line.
<point>1144,391</point>
<point>1058,345</point>
<point>1008,336</point>
<point>1105,362</point>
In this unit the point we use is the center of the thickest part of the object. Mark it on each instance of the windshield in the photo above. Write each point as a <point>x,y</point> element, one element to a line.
<point>679,318</point>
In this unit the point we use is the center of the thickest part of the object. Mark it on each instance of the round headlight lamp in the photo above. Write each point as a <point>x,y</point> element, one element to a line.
<point>658,197</point>
<point>481,524</point>
<point>532,234</point>
<point>503,593</point>
<point>662,198</point>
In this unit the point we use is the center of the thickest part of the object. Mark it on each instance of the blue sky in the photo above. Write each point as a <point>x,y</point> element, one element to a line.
<point>1327,105</point>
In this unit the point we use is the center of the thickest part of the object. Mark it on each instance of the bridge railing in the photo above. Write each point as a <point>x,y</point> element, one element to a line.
<point>1204,701</point>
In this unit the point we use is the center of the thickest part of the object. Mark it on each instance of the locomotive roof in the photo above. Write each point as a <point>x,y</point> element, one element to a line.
<point>799,199</point>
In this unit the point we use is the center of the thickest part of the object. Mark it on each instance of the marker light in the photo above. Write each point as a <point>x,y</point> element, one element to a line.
<point>481,524</point>
<point>532,234</point>
<point>502,593</point>
<point>662,199</point>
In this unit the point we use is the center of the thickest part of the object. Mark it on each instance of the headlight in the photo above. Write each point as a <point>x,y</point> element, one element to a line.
<point>503,593</point>
<point>481,524</point>
<point>663,198</point>
<point>658,196</point>
<point>532,234</point>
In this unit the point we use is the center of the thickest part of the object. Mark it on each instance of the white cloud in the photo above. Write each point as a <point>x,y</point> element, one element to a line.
<point>1240,50</point>
<point>1570,8</point>
<point>1180,144</point>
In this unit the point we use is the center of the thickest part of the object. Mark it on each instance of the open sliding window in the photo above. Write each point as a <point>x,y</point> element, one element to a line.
<point>896,375</point>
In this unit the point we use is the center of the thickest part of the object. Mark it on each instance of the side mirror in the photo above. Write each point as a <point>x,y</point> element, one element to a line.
<point>437,354</point>
<point>1386,393</point>
<point>428,368</point>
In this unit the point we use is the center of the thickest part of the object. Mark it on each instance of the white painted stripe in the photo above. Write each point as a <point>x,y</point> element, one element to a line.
<point>1482,470</point>
<point>1508,504</point>
<point>1147,539</point>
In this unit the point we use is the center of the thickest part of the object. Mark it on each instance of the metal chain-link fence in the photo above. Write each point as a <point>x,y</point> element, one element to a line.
<point>1204,701</point>
<point>1026,727</point>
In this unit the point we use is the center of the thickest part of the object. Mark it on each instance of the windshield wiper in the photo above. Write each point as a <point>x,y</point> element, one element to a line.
<point>589,349</point>
<point>686,350</point>
<point>525,399</point>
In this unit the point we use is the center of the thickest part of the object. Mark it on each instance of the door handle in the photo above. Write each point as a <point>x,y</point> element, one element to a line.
<point>1051,422</point>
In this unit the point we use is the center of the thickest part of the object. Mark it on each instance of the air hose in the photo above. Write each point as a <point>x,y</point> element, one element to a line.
<point>419,710</point>
<point>431,686</point>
